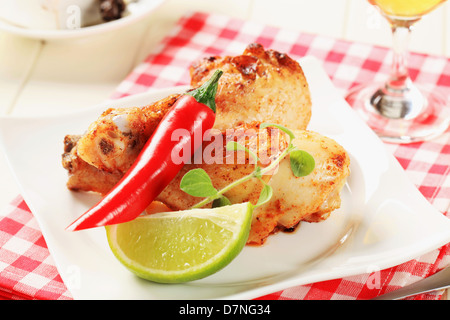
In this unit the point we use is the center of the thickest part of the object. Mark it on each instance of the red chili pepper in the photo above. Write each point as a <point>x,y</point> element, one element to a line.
<point>154,168</point>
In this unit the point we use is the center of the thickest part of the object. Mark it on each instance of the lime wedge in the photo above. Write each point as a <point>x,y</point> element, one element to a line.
<point>175,247</point>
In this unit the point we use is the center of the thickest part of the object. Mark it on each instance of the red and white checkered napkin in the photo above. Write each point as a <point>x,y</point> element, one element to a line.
<point>27,269</point>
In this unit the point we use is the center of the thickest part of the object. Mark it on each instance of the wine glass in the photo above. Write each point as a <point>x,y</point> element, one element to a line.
<point>398,110</point>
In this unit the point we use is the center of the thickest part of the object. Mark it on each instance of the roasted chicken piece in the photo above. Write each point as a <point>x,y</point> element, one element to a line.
<point>223,166</point>
<point>311,198</point>
<point>113,142</point>
<point>294,199</point>
<point>259,85</point>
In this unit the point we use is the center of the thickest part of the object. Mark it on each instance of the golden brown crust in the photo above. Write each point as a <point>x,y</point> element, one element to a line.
<point>83,176</point>
<point>311,198</point>
<point>259,85</point>
<point>112,149</point>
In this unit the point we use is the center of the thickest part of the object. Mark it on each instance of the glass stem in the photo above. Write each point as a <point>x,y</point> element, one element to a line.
<point>399,98</point>
<point>399,80</point>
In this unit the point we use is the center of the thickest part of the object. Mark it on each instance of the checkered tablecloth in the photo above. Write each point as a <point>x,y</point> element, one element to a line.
<point>27,270</point>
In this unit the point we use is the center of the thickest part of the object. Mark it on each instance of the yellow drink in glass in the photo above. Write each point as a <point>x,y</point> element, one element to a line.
<point>406,8</point>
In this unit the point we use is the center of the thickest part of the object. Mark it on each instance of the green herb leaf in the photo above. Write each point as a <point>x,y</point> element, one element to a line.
<point>302,163</point>
<point>265,195</point>
<point>279,126</point>
<point>221,202</point>
<point>197,183</point>
<point>258,172</point>
<point>236,146</point>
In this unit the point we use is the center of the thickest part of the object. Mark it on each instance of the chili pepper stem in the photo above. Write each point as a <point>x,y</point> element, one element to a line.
<point>206,93</point>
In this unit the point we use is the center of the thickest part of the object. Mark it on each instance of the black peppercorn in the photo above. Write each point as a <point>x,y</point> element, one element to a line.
<point>112,9</point>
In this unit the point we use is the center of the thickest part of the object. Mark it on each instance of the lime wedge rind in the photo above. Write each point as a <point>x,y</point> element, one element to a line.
<point>234,218</point>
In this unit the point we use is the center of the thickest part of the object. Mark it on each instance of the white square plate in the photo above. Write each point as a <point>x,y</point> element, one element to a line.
<point>384,220</point>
